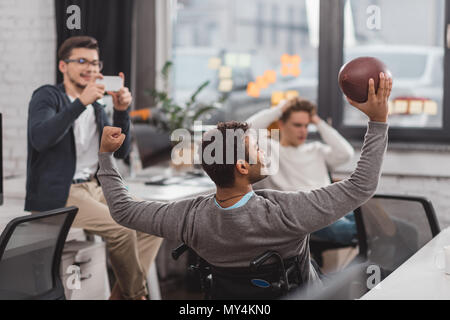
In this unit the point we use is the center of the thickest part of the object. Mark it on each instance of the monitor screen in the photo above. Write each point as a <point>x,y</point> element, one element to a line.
<point>1,161</point>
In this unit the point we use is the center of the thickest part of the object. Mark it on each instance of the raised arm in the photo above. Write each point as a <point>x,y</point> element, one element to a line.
<point>263,118</point>
<point>311,211</point>
<point>47,126</point>
<point>165,220</point>
<point>46,123</point>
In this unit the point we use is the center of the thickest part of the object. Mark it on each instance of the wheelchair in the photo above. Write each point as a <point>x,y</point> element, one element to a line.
<point>258,281</point>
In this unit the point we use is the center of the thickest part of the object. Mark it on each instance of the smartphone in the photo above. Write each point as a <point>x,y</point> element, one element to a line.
<point>111,83</point>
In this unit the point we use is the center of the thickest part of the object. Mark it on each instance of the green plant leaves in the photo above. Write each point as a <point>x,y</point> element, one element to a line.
<point>172,116</point>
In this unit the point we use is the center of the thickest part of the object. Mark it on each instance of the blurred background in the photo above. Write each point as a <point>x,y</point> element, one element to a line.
<point>220,60</point>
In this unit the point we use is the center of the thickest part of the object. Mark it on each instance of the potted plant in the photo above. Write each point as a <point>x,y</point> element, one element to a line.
<point>168,115</point>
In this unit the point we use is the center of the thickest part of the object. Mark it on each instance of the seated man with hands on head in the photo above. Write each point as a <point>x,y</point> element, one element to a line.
<point>236,224</point>
<point>305,166</point>
<point>64,130</point>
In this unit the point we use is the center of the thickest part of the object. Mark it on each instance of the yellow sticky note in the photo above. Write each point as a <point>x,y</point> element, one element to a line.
<point>291,94</point>
<point>277,96</point>
<point>401,106</point>
<point>225,85</point>
<point>225,72</point>
<point>415,107</point>
<point>430,107</point>
<point>214,63</point>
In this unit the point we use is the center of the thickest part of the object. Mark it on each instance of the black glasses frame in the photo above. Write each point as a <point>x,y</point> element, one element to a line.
<point>83,61</point>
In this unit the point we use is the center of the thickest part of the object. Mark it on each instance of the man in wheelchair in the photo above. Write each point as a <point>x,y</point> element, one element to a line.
<point>230,228</point>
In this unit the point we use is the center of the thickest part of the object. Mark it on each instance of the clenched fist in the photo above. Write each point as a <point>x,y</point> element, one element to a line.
<point>112,139</point>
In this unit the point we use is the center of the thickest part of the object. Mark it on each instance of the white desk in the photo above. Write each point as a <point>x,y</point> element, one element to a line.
<point>418,278</point>
<point>182,189</point>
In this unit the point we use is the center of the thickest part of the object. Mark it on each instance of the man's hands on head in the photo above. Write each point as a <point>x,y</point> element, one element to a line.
<point>112,139</point>
<point>93,91</point>
<point>315,119</point>
<point>122,98</point>
<point>376,107</point>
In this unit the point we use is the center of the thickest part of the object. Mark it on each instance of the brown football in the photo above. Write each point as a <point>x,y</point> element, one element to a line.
<point>354,77</point>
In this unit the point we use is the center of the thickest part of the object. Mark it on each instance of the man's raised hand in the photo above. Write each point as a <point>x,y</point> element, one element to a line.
<point>376,107</point>
<point>112,139</point>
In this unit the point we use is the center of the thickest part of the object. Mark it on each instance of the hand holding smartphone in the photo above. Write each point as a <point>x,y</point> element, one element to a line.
<point>111,83</point>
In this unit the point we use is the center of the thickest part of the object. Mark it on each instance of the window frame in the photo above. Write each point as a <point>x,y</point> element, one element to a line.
<point>330,102</point>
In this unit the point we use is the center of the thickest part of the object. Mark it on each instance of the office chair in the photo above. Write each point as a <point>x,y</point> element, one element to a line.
<point>392,228</point>
<point>318,247</point>
<point>258,281</point>
<point>30,255</point>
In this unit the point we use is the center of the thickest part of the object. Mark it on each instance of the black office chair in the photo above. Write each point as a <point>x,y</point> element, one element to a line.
<point>392,228</point>
<point>30,255</point>
<point>318,247</point>
<point>258,281</point>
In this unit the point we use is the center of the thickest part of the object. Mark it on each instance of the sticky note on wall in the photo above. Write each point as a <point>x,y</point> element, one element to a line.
<point>430,107</point>
<point>277,96</point>
<point>415,107</point>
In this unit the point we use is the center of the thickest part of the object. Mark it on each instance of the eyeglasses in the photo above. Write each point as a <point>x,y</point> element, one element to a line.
<point>84,62</point>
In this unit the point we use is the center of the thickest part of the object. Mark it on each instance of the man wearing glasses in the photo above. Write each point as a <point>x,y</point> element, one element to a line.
<point>64,130</point>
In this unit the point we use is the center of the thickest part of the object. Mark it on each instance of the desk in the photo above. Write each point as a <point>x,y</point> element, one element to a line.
<point>183,188</point>
<point>418,278</point>
<point>172,192</point>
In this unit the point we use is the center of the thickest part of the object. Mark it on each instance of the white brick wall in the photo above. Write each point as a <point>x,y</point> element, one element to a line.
<point>27,61</point>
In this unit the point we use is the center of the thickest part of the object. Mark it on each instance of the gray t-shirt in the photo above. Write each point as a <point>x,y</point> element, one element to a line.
<point>270,220</point>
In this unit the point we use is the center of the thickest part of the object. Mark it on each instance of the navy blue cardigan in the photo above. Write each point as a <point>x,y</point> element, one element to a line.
<point>51,158</point>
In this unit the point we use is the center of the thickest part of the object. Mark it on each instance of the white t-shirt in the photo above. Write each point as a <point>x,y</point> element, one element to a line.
<point>86,143</point>
<point>305,167</point>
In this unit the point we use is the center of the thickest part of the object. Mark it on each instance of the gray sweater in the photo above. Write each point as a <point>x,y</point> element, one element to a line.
<point>270,220</point>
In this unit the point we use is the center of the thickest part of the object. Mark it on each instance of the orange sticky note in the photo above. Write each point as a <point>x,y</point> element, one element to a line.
<point>277,96</point>
<point>252,90</point>
<point>270,76</point>
<point>261,82</point>
<point>291,94</point>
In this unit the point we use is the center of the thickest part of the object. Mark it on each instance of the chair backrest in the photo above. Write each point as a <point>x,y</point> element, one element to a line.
<point>30,255</point>
<point>392,228</point>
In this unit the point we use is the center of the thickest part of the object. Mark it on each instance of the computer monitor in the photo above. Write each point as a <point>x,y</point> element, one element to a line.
<point>1,161</point>
<point>153,145</point>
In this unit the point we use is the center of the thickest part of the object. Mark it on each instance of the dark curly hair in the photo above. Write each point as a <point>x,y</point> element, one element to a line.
<point>298,104</point>
<point>222,172</point>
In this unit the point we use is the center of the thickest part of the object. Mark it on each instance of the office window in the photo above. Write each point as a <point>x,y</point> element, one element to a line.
<point>253,52</point>
<point>408,36</point>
